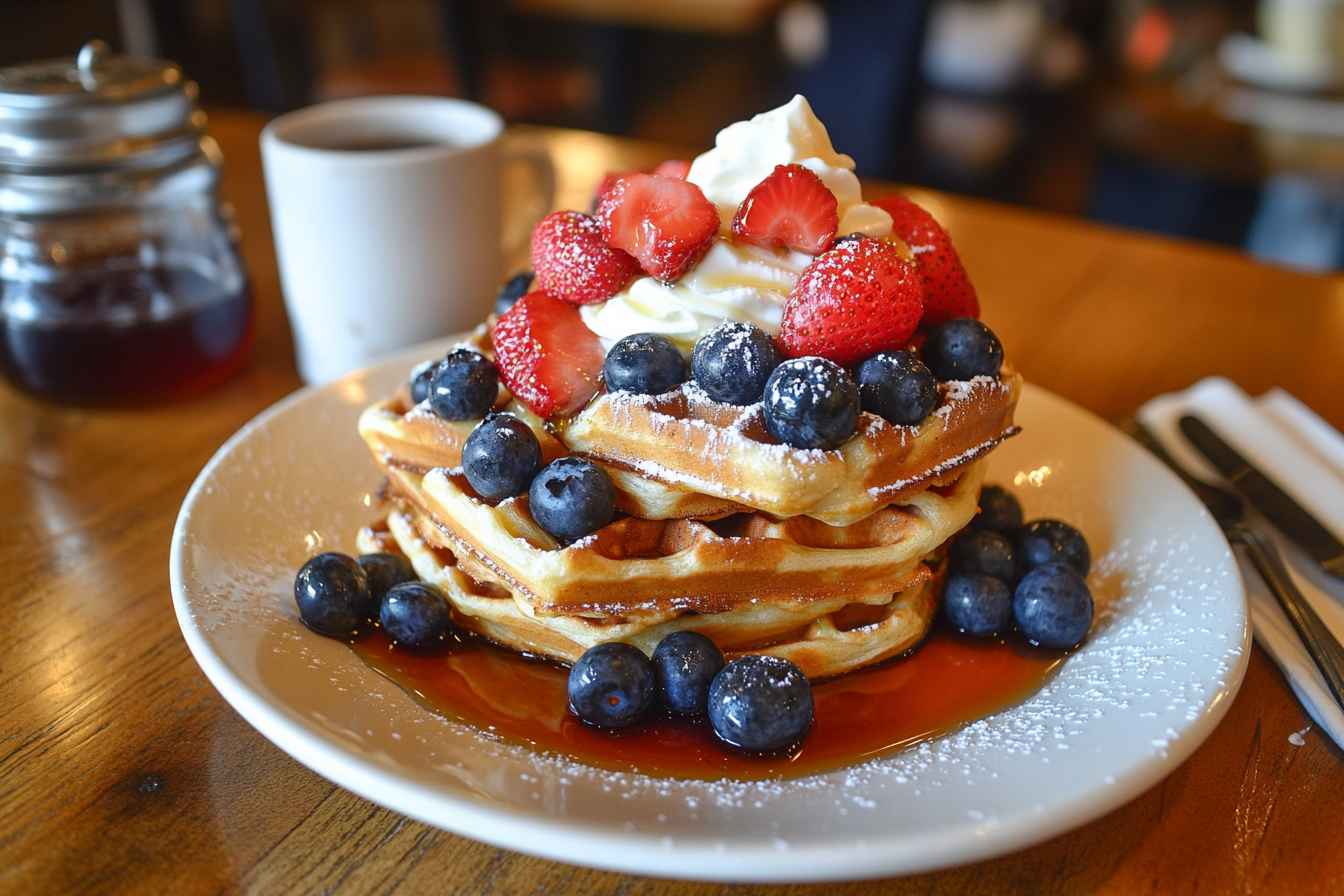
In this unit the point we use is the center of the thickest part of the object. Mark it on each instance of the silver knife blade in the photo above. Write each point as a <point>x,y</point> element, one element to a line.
<point>1285,513</point>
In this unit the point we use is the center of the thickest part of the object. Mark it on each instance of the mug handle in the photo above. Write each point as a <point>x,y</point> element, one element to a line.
<point>537,159</point>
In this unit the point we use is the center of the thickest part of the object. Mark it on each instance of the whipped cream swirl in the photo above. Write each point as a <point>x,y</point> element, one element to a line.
<point>735,280</point>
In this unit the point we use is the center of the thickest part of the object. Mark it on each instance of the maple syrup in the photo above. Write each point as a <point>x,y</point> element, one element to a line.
<point>125,335</point>
<point>946,682</point>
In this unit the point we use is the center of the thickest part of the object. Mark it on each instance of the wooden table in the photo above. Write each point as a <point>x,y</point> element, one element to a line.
<point>122,769</point>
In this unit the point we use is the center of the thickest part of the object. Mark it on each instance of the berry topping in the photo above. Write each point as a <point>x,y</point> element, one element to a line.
<point>760,703</point>
<point>999,510</point>
<point>421,375</point>
<point>500,457</point>
<point>1052,541</point>
<point>416,615</point>
<point>686,663</point>
<point>1053,606</point>
<point>513,289</point>
<point>962,349</point>
<point>732,362</point>
<point>791,209</point>
<point>897,387</point>
<point>677,168</point>
<point>985,552</point>
<point>612,685</point>
<point>571,497</point>
<point>332,592</point>
<point>385,571</point>
<point>977,604</point>
<point>811,403</point>
<point>547,357</point>
<point>465,386</point>
<point>574,262</point>
<point>948,292</point>
<point>665,223</point>
<point>644,363</point>
<point>856,299</point>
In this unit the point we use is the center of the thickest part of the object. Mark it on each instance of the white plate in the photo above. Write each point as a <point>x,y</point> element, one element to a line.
<point>1166,656</point>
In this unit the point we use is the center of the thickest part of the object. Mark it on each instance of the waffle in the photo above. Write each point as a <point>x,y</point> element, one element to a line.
<point>639,565</point>
<point>824,638</point>
<point>685,441</point>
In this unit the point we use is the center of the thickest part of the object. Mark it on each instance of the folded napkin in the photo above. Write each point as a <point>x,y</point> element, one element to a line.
<point>1304,455</point>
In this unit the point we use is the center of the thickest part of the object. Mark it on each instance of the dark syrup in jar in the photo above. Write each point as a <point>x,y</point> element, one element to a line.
<point>947,682</point>
<point>120,335</point>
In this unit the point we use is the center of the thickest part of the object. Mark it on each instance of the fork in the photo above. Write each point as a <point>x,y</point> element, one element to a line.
<point>1229,511</point>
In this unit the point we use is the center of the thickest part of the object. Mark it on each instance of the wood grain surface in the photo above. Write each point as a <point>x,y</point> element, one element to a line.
<point>121,769</point>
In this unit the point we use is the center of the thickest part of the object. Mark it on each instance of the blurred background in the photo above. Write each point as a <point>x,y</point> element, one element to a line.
<point>1216,120</point>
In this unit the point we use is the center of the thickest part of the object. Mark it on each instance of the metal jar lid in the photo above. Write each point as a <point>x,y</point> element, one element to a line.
<point>98,129</point>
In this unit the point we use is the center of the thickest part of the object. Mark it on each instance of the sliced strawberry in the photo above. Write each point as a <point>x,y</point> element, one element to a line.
<point>677,168</point>
<point>667,224</point>
<point>792,209</point>
<point>573,261</point>
<point>606,183</point>
<point>549,360</point>
<point>948,292</point>
<point>859,298</point>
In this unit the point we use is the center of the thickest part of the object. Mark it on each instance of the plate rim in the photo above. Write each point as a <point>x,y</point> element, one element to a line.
<point>537,834</point>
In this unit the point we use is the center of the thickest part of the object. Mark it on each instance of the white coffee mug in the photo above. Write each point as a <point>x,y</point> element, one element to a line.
<point>387,220</point>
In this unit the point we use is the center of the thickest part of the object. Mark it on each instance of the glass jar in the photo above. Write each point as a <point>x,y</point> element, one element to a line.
<point>120,277</point>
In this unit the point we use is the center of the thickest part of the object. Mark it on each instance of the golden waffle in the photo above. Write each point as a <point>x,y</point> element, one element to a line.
<point>685,441</point>
<point>639,565</point>
<point>824,638</point>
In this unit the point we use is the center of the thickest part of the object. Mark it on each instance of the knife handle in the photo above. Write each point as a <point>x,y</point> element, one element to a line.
<point>1325,650</point>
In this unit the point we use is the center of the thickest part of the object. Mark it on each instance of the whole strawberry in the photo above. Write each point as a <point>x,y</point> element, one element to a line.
<point>948,292</point>
<point>573,262</point>
<point>856,299</point>
<point>548,358</point>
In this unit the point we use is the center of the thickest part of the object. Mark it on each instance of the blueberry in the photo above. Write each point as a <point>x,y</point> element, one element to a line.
<point>897,387</point>
<point>421,375</point>
<point>332,592</point>
<point>760,703</point>
<point>811,403</point>
<point>416,615</point>
<point>1052,541</point>
<point>571,497</point>
<point>464,386</point>
<point>978,604</point>
<point>1053,606</point>
<point>385,571</point>
<point>985,552</point>
<point>645,363</point>
<point>686,662</point>
<point>732,362</point>
<point>999,510</point>
<point>514,289</point>
<point>612,685</point>
<point>962,349</point>
<point>500,457</point>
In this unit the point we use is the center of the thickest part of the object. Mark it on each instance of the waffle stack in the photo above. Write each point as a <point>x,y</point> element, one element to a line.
<point>830,558</point>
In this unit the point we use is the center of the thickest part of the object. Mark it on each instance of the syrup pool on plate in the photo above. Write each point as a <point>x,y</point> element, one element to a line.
<point>945,683</point>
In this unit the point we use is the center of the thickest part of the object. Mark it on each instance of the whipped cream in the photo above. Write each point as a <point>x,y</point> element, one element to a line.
<point>736,280</point>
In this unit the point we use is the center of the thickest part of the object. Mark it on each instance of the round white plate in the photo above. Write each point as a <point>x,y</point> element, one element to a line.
<point>1165,658</point>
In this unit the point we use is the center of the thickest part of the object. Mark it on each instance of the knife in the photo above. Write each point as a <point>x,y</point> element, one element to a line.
<point>1268,498</point>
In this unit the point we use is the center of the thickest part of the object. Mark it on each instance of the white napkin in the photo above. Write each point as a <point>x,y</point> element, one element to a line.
<point>1304,456</point>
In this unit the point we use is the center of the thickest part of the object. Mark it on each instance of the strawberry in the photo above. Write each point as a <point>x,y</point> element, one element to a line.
<point>573,261</point>
<point>667,224</point>
<point>856,299</point>
<point>791,208</point>
<point>948,292</point>
<point>549,360</point>
<point>677,168</point>
<point>606,183</point>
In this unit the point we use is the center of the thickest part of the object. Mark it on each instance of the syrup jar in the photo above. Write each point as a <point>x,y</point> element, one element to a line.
<point>120,277</point>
